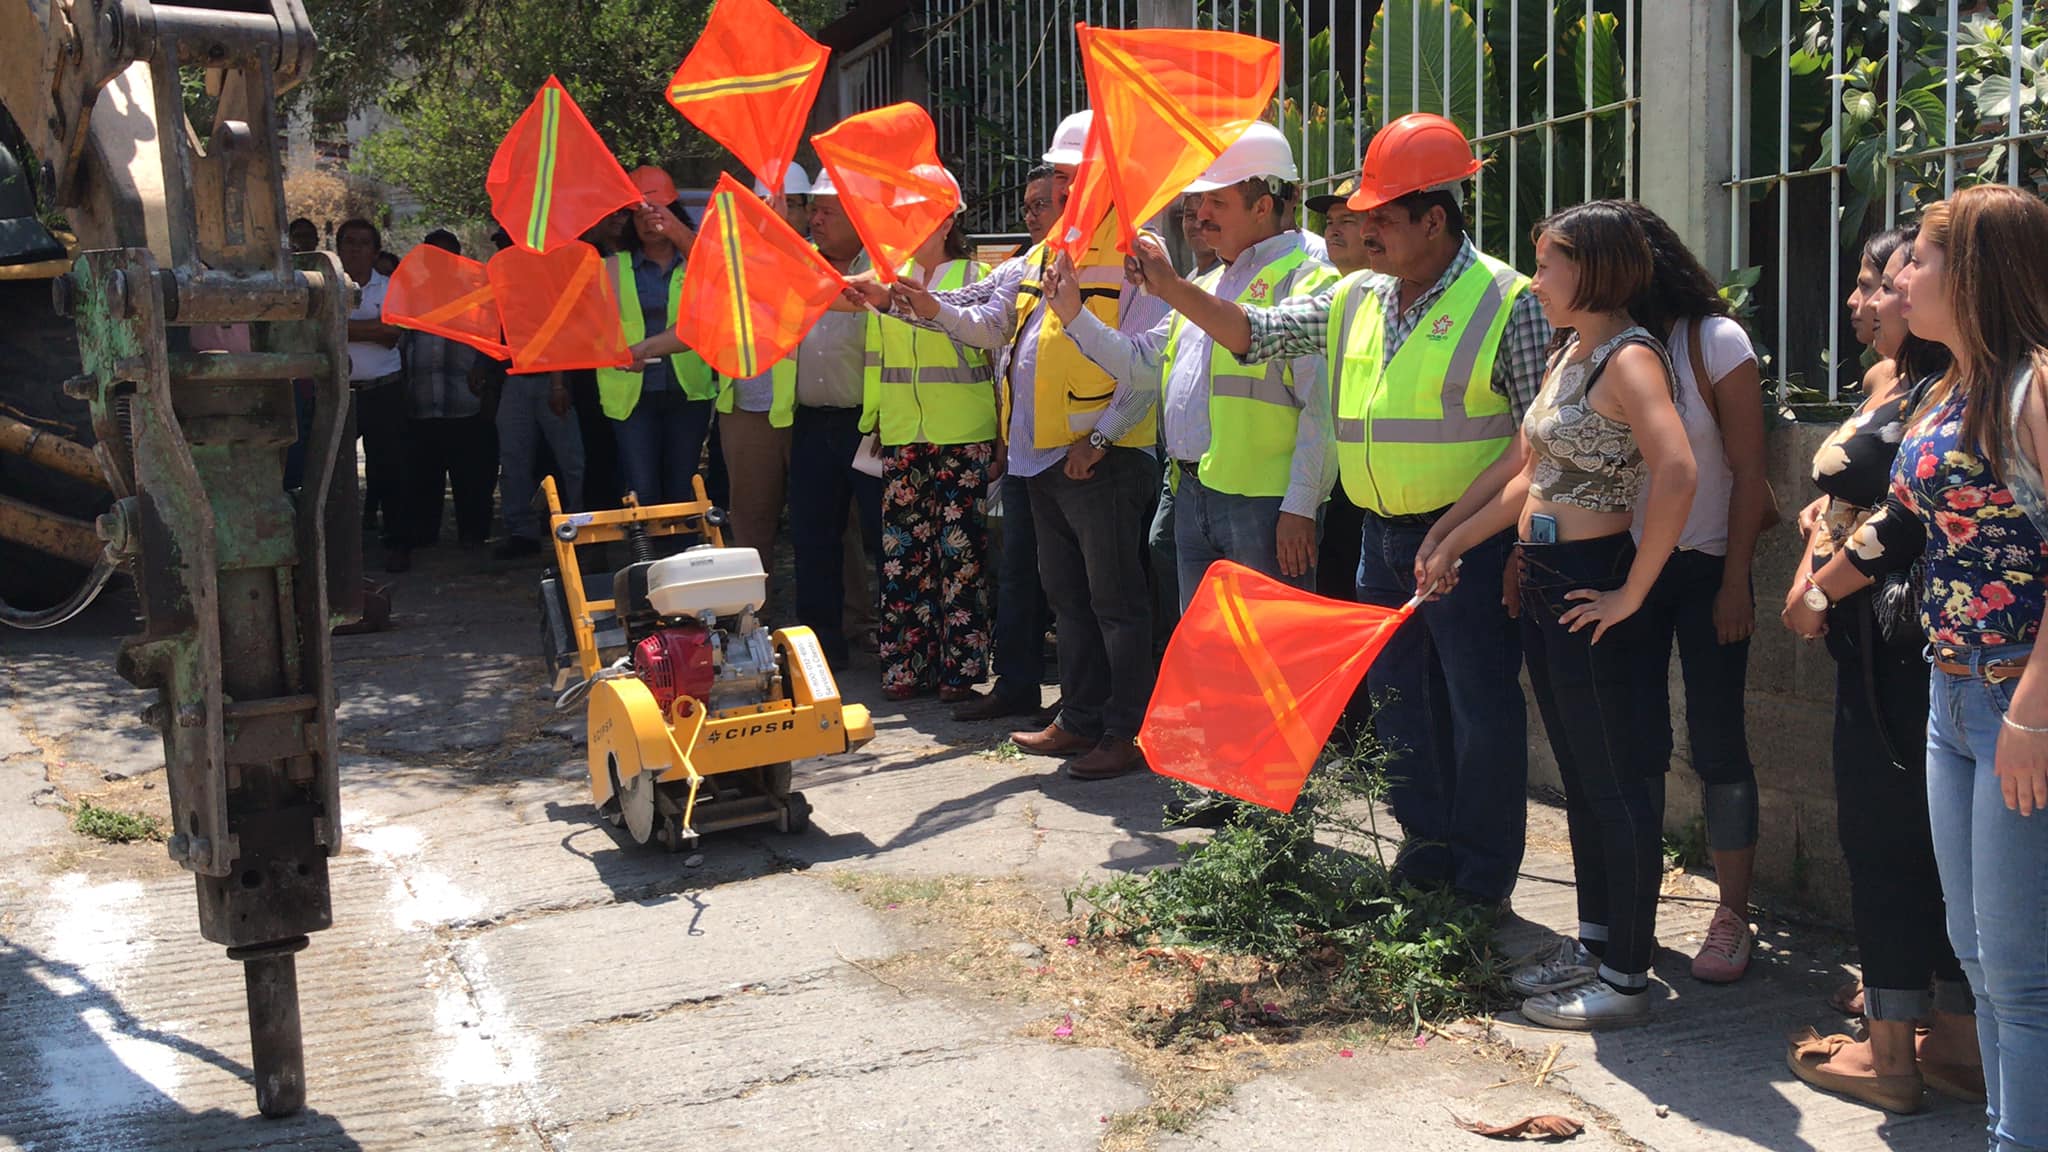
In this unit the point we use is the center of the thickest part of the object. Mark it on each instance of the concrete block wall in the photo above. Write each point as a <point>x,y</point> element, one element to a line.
<point>1790,719</point>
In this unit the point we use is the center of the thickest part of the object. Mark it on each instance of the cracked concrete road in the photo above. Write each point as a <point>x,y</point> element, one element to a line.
<point>504,974</point>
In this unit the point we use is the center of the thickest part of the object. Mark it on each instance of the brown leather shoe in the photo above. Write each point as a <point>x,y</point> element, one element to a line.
<point>1053,740</point>
<point>995,705</point>
<point>1114,756</point>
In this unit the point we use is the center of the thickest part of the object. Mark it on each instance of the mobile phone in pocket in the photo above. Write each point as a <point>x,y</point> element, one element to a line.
<point>1542,528</point>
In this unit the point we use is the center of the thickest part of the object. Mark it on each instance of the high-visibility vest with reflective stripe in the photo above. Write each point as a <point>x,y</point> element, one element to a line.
<point>1071,391</point>
<point>618,389</point>
<point>1414,432</point>
<point>1254,417</point>
<point>782,398</point>
<point>919,386</point>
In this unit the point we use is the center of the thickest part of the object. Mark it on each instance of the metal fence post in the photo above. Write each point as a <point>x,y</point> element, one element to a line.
<point>1686,158</point>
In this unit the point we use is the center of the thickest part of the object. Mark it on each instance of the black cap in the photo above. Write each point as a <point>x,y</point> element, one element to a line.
<point>1334,196</point>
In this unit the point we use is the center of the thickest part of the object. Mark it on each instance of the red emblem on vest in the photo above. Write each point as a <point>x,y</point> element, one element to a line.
<point>1441,328</point>
<point>1259,288</point>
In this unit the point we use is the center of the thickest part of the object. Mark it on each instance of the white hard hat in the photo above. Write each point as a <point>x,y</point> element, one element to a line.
<point>1262,151</point>
<point>945,176</point>
<point>822,186</point>
<point>796,183</point>
<point>1070,139</point>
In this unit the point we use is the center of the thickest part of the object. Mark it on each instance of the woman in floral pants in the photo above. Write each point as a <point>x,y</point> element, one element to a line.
<point>932,402</point>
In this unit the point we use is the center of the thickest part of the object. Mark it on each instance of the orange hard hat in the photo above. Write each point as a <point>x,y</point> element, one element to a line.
<point>655,184</point>
<point>1415,153</point>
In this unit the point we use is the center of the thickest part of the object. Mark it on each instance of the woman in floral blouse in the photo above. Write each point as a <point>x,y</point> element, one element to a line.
<point>1967,491</point>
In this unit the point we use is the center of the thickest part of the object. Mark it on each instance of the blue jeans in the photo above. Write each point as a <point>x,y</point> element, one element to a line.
<point>1209,526</point>
<point>524,420</point>
<point>822,483</point>
<point>1994,871</point>
<point>1021,611</point>
<point>1165,573</point>
<point>661,444</point>
<point>1447,698</point>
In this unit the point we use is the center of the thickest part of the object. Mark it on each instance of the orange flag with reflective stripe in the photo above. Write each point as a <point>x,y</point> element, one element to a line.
<point>885,164</point>
<point>559,310</point>
<point>1254,679</point>
<point>1088,202</point>
<point>753,286</point>
<point>553,177</point>
<point>1167,103</point>
<point>749,82</point>
<point>435,290</point>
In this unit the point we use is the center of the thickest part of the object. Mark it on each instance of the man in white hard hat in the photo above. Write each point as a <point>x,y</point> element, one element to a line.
<point>1248,446</point>
<point>1091,495</point>
<point>796,198</point>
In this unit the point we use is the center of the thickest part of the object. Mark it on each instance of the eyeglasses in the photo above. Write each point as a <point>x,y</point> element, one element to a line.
<point>1034,207</point>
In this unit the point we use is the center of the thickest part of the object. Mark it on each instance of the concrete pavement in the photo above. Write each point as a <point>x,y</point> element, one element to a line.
<point>504,974</point>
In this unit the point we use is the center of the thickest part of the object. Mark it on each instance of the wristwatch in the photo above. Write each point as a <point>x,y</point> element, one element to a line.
<point>1814,598</point>
<point>1098,441</point>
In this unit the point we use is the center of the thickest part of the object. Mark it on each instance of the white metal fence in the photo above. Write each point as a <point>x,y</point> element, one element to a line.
<point>1852,115</point>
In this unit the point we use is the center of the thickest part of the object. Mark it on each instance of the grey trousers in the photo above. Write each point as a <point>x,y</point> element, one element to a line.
<point>523,420</point>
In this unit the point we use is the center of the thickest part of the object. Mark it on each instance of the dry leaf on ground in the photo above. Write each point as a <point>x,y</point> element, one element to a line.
<point>1540,1127</point>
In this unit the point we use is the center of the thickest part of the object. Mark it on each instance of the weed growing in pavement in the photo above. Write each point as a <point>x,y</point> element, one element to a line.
<point>1687,848</point>
<point>1004,752</point>
<point>114,827</point>
<point>1310,892</point>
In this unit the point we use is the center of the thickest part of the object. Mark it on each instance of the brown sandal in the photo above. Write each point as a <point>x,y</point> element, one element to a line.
<point>1963,1082</point>
<point>1807,1050</point>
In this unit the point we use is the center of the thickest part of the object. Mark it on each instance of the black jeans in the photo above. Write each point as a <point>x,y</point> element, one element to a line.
<point>1091,558</point>
<point>443,454</point>
<point>1020,601</point>
<point>381,419</point>
<point>1591,698</point>
<point>1681,608</point>
<point>1880,752</point>
<point>822,483</point>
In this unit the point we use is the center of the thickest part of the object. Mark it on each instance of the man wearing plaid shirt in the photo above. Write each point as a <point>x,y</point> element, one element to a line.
<point>1449,699</point>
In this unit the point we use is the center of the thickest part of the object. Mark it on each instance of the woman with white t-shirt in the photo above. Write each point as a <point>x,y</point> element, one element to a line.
<point>1703,598</point>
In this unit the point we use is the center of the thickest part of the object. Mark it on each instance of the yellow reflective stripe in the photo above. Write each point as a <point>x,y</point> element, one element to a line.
<point>448,312</point>
<point>544,169</point>
<point>728,85</point>
<point>887,174</point>
<point>1163,102</point>
<point>1272,685</point>
<point>742,322</point>
<point>560,315</point>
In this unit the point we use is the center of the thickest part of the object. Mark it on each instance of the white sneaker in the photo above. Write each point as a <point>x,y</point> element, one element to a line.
<point>1566,966</point>
<point>1596,1004</point>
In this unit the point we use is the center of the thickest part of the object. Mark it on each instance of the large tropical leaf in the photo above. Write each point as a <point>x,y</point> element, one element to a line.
<point>1416,75</point>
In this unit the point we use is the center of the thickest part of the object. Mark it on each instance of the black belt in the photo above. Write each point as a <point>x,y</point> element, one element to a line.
<point>1424,520</point>
<point>1191,467</point>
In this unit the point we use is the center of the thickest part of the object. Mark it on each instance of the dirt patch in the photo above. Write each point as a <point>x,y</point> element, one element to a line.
<point>1193,1025</point>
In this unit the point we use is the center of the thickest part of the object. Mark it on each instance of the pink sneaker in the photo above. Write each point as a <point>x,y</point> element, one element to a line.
<point>1724,957</point>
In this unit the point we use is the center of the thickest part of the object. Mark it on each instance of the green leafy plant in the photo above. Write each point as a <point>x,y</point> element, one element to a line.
<point>113,826</point>
<point>1310,892</point>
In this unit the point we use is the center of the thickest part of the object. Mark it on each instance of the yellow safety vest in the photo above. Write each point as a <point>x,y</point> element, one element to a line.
<point>1070,390</point>
<point>921,387</point>
<point>1414,432</point>
<point>782,402</point>
<point>1254,418</point>
<point>618,389</point>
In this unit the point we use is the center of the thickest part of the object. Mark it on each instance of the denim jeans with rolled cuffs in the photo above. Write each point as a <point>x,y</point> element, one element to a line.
<point>1592,699</point>
<point>1994,871</point>
<point>1447,704</point>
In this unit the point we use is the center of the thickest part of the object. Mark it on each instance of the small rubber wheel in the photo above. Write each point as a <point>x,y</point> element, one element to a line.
<point>796,813</point>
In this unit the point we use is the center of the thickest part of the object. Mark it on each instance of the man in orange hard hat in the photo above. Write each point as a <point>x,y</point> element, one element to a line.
<point>1433,357</point>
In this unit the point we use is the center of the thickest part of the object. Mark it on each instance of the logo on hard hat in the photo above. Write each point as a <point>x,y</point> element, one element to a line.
<point>1441,328</point>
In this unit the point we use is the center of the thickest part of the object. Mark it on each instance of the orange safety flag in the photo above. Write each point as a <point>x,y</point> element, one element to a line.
<point>885,166</point>
<point>1167,103</point>
<point>435,290</point>
<point>553,177</point>
<point>1255,677</point>
<point>753,286</point>
<point>559,310</point>
<point>1088,202</point>
<point>749,82</point>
